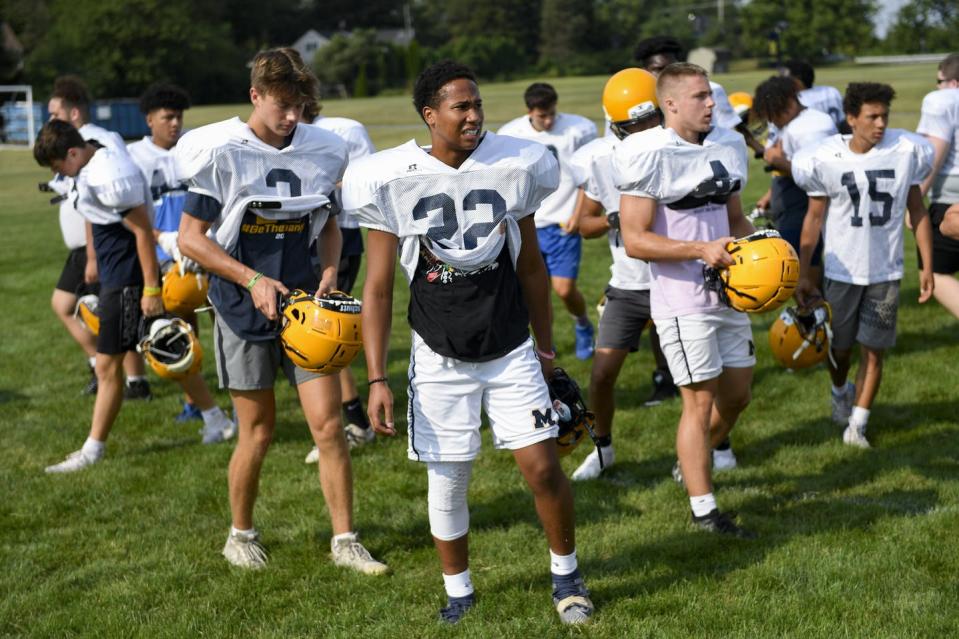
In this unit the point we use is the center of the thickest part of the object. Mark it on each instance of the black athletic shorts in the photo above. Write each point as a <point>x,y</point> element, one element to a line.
<point>119,312</point>
<point>71,277</point>
<point>347,272</point>
<point>945,250</point>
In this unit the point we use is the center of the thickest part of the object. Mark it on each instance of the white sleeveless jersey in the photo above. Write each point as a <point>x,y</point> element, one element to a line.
<point>359,145</point>
<point>824,99</point>
<point>940,119</point>
<point>227,162</point>
<point>593,170</point>
<point>463,216</point>
<point>158,167</point>
<point>569,132</point>
<point>691,184</point>
<point>809,128</point>
<point>109,185</point>
<point>867,200</point>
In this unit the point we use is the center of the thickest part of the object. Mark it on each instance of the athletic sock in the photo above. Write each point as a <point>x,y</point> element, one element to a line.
<point>237,531</point>
<point>93,448</point>
<point>702,505</point>
<point>459,585</point>
<point>212,414</point>
<point>562,565</point>
<point>135,378</point>
<point>859,416</point>
<point>354,413</point>
<point>92,361</point>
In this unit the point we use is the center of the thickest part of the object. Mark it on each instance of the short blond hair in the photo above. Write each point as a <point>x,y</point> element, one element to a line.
<point>283,74</point>
<point>672,74</point>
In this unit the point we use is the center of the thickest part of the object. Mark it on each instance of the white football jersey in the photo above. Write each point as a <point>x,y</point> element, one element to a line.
<point>593,170</point>
<point>463,216</point>
<point>109,185</point>
<point>569,132</point>
<point>867,200</point>
<point>809,128</point>
<point>724,115</point>
<point>158,167</point>
<point>227,162</point>
<point>358,143</point>
<point>71,223</point>
<point>940,119</point>
<point>825,99</point>
<point>691,183</point>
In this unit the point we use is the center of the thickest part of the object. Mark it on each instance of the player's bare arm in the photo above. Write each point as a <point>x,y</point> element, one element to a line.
<point>592,222</point>
<point>950,222</point>
<point>922,228</point>
<point>807,290</point>
<point>636,217</point>
<point>572,224</point>
<point>329,244</point>
<point>377,320</point>
<point>531,272</point>
<point>90,273</point>
<point>739,224</point>
<point>775,157</point>
<point>211,257</point>
<point>941,151</point>
<point>137,221</point>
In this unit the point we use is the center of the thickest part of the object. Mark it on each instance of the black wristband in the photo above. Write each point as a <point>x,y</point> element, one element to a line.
<point>378,380</point>
<point>612,218</point>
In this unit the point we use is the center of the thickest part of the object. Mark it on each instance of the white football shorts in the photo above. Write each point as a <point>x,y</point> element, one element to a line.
<point>446,396</point>
<point>698,347</point>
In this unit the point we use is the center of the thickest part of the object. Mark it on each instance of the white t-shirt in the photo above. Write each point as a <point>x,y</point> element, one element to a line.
<point>593,170</point>
<point>867,200</point>
<point>809,128</point>
<point>358,143</point>
<point>940,119</point>
<point>691,183</point>
<point>569,132</point>
<point>826,99</point>
<point>461,215</point>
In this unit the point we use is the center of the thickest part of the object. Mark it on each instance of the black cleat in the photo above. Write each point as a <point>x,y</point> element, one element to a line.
<point>137,389</point>
<point>663,389</point>
<point>722,523</point>
<point>91,386</point>
<point>456,607</point>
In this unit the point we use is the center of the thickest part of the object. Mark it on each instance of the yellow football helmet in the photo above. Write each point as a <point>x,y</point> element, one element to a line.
<point>87,312</point>
<point>323,334</point>
<point>741,102</point>
<point>800,337</point>
<point>183,293</point>
<point>170,347</point>
<point>763,277</point>
<point>628,98</point>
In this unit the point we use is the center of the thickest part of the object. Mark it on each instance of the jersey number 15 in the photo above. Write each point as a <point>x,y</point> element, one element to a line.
<point>848,180</point>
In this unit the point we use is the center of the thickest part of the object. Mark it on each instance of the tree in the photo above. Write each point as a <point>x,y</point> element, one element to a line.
<point>924,26</point>
<point>564,29</point>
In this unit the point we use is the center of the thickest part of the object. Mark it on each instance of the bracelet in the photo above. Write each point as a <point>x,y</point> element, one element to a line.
<point>551,355</point>
<point>378,380</point>
<point>253,281</point>
<point>152,291</point>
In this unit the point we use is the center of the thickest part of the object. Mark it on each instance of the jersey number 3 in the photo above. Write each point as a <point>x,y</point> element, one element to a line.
<point>848,180</point>
<point>443,232</point>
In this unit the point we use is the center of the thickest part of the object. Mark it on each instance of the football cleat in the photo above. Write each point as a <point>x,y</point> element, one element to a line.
<point>592,467</point>
<point>322,335</point>
<point>350,553</point>
<point>763,277</point>
<point>75,461</point>
<point>584,341</point>
<point>244,550</point>
<point>456,607</point>
<point>137,389</point>
<point>842,404</point>
<point>357,435</point>
<point>855,435</point>
<point>189,413</point>
<point>220,430</point>
<point>723,460</point>
<point>571,599</point>
<point>663,388</point>
<point>722,523</point>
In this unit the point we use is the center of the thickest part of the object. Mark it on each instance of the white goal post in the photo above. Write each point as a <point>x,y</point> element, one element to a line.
<point>18,113</point>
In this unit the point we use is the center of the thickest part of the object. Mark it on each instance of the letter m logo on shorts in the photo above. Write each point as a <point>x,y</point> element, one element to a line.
<point>541,420</point>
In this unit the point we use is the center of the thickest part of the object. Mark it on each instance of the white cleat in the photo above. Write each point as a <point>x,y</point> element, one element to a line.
<point>221,430</point>
<point>75,461</point>
<point>244,550</point>
<point>842,404</point>
<point>357,435</point>
<point>313,456</point>
<point>723,460</point>
<point>350,553</point>
<point>590,468</point>
<point>855,436</point>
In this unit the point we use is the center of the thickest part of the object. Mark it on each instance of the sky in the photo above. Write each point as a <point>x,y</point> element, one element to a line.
<point>887,15</point>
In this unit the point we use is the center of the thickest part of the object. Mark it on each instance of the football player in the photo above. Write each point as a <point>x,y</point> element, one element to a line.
<point>859,187</point>
<point>70,102</point>
<point>265,186</point>
<point>460,213</point>
<point>163,106</point>
<point>939,122</point>
<point>357,429</point>
<point>556,226</point>
<point>821,97</point>
<point>630,105</point>
<point>111,194</point>
<point>680,205</point>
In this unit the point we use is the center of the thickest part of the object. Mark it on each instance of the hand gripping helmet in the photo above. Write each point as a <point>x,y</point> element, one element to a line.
<point>170,347</point>
<point>87,311</point>
<point>763,277</point>
<point>183,293</point>
<point>323,334</point>
<point>574,419</point>
<point>741,102</point>
<point>800,337</point>
<point>629,97</point>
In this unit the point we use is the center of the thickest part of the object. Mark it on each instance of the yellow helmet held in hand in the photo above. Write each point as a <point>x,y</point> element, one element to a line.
<point>170,347</point>
<point>800,337</point>
<point>87,311</point>
<point>183,293</point>
<point>322,335</point>
<point>763,277</point>
<point>628,98</point>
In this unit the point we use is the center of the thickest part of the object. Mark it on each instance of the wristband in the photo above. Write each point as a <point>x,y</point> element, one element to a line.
<point>378,380</point>
<point>152,291</point>
<point>550,356</point>
<point>253,281</point>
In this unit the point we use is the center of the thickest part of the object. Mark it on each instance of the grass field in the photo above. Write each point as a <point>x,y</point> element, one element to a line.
<point>852,543</point>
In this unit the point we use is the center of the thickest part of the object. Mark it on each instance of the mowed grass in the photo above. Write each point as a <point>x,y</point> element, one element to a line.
<point>852,543</point>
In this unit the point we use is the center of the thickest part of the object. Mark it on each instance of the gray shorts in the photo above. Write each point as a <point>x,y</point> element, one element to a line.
<point>863,313</point>
<point>624,318</point>
<point>243,365</point>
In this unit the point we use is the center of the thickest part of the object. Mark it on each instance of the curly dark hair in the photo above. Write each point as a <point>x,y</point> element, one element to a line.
<point>435,77</point>
<point>164,96</point>
<point>659,45</point>
<point>860,93</point>
<point>802,71</point>
<point>773,96</point>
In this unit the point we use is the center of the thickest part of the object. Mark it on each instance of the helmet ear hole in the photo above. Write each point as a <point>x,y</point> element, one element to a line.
<point>297,315</point>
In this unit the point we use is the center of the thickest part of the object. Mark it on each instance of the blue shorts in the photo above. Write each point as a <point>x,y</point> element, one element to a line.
<point>561,251</point>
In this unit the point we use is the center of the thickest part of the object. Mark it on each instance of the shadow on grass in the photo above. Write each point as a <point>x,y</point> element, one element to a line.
<point>7,396</point>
